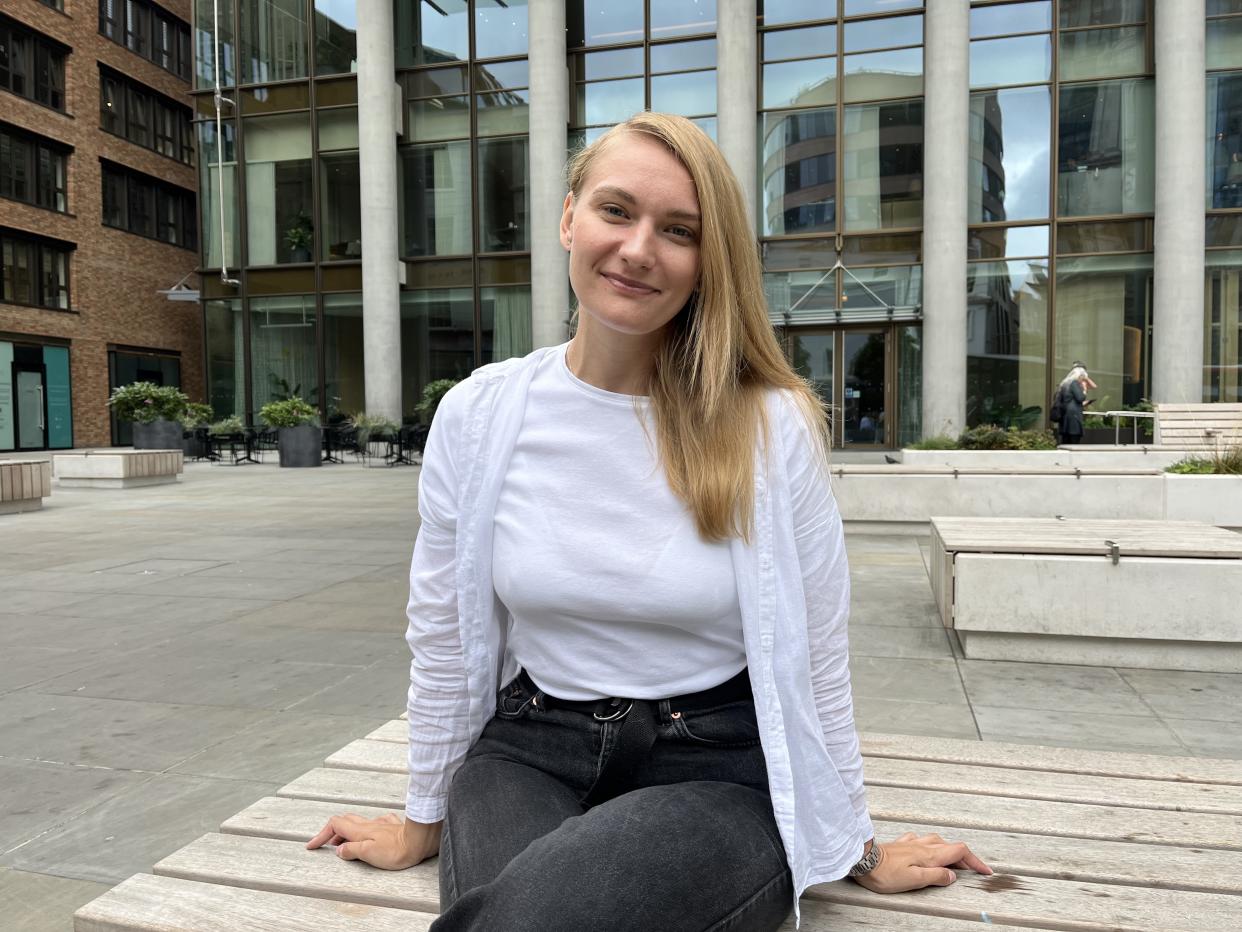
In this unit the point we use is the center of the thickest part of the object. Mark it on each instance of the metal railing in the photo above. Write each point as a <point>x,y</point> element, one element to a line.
<point>1131,414</point>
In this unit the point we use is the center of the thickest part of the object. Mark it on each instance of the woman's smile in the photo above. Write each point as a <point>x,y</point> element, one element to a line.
<point>628,286</point>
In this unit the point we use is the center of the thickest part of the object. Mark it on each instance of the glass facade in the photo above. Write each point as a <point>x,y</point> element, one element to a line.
<point>1059,158</point>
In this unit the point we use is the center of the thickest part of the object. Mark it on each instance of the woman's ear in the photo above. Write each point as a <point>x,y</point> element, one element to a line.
<point>567,221</point>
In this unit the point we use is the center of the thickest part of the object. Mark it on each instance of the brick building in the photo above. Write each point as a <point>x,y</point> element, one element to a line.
<point>97,214</point>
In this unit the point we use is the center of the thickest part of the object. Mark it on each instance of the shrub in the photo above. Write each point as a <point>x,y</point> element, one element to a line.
<point>225,426</point>
<point>146,402</point>
<point>1224,461</point>
<point>1190,466</point>
<point>292,412</point>
<point>433,393</point>
<point>938,442</point>
<point>991,437</point>
<point>196,414</point>
<point>372,425</point>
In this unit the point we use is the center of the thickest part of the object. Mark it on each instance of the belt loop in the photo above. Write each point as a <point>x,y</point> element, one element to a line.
<point>610,710</point>
<point>665,712</point>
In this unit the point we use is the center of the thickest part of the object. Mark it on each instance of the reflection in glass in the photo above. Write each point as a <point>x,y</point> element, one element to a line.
<point>810,354</point>
<point>336,36</point>
<point>1101,236</point>
<point>500,28</point>
<point>1222,327</point>
<point>1103,317</point>
<point>875,75</point>
<point>608,102</point>
<point>1006,342</point>
<point>775,12</point>
<point>217,180</point>
<point>1010,144</point>
<point>344,372</point>
<point>1012,18</point>
<point>909,352</point>
<point>883,33</point>
<point>862,407</point>
<point>1224,43</point>
<point>896,291</point>
<point>1007,242</point>
<point>1223,230</point>
<point>435,199</point>
<point>337,128</point>
<point>603,22</point>
<point>427,33</point>
<point>800,83</point>
<point>616,63</point>
<point>801,297</point>
<point>683,56</point>
<point>883,165</point>
<point>505,319</point>
<point>1016,60</point>
<point>792,254</point>
<point>205,45</point>
<point>1106,157</point>
<point>687,94</point>
<point>682,18</point>
<point>503,112</point>
<point>798,172</point>
<point>222,334</point>
<point>799,43</point>
<point>282,349</point>
<point>1101,12</point>
<point>1225,141</point>
<point>440,118</point>
<point>503,178</point>
<point>1102,53</point>
<point>340,207</point>
<point>278,189</point>
<point>437,339</point>
<point>273,40</point>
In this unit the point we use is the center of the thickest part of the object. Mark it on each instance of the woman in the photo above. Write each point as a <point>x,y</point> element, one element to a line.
<point>634,534</point>
<point>1072,394</point>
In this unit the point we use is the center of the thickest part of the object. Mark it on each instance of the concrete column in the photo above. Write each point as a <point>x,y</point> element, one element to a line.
<point>549,122</point>
<point>736,103</point>
<point>946,124</point>
<point>1177,357</point>
<point>377,154</point>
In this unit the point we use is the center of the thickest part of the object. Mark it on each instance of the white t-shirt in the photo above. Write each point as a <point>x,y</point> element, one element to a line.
<point>611,589</point>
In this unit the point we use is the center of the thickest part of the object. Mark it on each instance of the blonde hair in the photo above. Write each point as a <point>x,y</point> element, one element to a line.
<point>720,352</point>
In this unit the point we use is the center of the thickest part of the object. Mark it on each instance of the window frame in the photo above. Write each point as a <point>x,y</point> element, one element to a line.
<point>42,255</point>
<point>35,65</point>
<point>142,27</point>
<point>157,111</point>
<point>46,169</point>
<point>138,197</point>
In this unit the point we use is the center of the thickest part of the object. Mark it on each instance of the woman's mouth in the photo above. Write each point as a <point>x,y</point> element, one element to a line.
<point>628,286</point>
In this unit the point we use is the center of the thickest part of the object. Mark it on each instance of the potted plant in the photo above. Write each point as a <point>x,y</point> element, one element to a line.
<point>433,394</point>
<point>372,433</point>
<point>154,410</point>
<point>300,238</point>
<point>194,421</point>
<point>300,436</point>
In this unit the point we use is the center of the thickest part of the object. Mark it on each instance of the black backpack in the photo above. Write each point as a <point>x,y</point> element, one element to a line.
<point>1057,411</point>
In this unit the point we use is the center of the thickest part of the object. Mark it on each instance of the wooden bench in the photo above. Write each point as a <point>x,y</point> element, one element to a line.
<point>118,469</point>
<point>23,485</point>
<point>1154,594</point>
<point>1202,427</point>
<point>1079,840</point>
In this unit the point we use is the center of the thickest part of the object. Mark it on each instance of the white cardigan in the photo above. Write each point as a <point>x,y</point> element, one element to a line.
<point>793,589</point>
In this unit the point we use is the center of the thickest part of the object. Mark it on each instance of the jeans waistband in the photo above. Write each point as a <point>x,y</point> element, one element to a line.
<point>732,690</point>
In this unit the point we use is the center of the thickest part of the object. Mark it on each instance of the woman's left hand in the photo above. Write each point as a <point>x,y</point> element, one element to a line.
<point>912,862</point>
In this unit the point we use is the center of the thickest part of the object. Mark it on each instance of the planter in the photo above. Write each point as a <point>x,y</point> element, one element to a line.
<point>158,435</point>
<point>1210,499</point>
<point>196,444</point>
<point>301,445</point>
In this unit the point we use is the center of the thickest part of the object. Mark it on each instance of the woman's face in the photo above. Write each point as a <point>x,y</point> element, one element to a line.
<point>633,236</point>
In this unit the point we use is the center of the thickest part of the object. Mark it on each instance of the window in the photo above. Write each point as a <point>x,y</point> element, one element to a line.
<point>31,65</point>
<point>34,270</point>
<point>144,117</point>
<point>32,169</point>
<point>144,205</point>
<point>150,31</point>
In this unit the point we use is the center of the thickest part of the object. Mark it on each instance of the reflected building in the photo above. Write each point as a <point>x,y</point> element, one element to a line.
<point>1059,192</point>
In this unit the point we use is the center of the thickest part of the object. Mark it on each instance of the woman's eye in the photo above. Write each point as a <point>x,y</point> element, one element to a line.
<point>613,211</point>
<point>682,232</point>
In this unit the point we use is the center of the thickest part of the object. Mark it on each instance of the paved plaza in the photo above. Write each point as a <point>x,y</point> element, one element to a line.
<point>171,654</point>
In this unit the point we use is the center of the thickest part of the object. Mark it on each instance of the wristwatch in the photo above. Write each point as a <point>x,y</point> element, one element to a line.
<point>868,862</point>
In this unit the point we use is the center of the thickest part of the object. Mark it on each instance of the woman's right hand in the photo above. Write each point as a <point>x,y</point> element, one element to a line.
<point>390,842</point>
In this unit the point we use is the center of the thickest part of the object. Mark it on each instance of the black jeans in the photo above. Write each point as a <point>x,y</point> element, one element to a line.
<point>692,845</point>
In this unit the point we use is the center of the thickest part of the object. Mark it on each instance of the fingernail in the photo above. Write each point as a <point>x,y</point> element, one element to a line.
<point>952,877</point>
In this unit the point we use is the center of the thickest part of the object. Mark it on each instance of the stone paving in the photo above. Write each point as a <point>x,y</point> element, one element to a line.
<point>170,654</point>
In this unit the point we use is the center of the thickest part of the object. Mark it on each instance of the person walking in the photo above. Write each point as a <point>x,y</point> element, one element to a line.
<point>1072,398</point>
<point>630,702</point>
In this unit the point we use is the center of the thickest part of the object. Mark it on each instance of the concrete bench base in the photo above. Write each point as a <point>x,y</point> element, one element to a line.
<point>1132,653</point>
<point>118,469</point>
<point>23,485</point>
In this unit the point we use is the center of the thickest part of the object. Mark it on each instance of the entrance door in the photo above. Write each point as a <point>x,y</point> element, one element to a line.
<point>849,368</point>
<point>31,407</point>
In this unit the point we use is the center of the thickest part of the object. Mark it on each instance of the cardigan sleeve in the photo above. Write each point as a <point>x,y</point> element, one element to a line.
<point>820,542</point>
<point>438,701</point>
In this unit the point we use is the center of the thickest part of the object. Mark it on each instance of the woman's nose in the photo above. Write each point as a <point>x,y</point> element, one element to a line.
<point>638,245</point>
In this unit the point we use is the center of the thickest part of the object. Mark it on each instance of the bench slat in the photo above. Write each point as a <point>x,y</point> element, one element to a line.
<point>1177,868</point>
<point>1067,820</point>
<point>1055,760</point>
<point>144,903</point>
<point>263,864</point>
